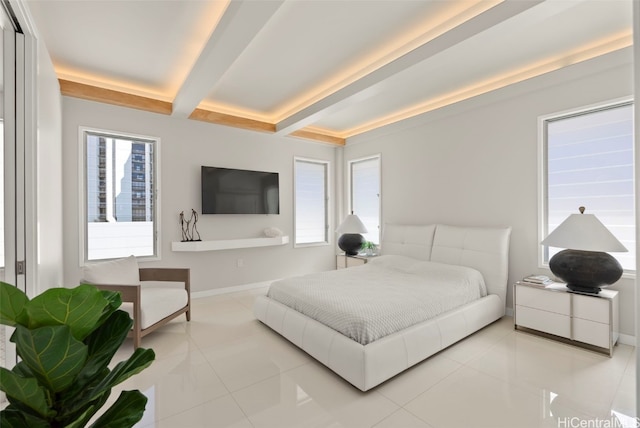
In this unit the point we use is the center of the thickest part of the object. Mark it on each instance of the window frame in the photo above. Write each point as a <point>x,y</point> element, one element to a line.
<point>328,207</point>
<point>350,164</point>
<point>543,170</point>
<point>82,189</point>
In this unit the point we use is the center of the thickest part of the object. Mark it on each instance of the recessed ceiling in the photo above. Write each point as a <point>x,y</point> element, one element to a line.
<point>325,70</point>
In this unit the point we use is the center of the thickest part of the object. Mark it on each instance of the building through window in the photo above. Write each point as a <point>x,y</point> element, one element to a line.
<point>120,196</point>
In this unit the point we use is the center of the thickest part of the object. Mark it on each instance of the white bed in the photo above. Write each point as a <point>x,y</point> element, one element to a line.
<point>367,360</point>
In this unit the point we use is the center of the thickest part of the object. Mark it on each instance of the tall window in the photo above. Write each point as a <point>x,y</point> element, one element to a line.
<point>589,162</point>
<point>311,201</point>
<point>120,195</point>
<point>365,194</point>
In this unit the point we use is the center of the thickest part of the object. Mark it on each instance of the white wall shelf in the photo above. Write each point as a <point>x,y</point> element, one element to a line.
<point>229,244</point>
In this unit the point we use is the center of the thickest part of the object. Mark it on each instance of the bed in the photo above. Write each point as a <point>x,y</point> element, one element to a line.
<point>359,341</point>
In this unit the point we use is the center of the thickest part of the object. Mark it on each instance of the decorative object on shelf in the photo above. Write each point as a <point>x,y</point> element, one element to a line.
<point>351,240</point>
<point>369,248</point>
<point>272,232</point>
<point>189,229</point>
<point>584,265</point>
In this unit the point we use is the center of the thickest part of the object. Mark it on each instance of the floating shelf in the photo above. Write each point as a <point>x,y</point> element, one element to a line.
<point>229,244</point>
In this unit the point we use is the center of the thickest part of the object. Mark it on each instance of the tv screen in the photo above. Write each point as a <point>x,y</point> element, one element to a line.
<point>238,191</point>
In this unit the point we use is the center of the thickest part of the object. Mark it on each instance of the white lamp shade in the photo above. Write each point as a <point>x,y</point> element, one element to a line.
<point>583,232</point>
<point>351,224</point>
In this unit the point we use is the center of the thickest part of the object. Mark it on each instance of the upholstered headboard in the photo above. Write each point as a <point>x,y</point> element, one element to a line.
<point>408,240</point>
<point>482,248</point>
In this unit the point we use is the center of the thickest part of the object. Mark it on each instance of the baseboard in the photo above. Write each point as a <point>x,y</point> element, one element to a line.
<point>627,339</point>
<point>226,290</point>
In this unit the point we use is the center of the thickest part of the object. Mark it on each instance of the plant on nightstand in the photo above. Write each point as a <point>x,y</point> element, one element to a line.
<point>65,338</point>
<point>369,248</point>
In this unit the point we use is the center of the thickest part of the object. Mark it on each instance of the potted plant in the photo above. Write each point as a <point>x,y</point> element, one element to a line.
<point>369,248</point>
<point>65,338</point>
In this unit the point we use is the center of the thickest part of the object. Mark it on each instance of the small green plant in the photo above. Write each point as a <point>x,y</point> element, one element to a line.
<point>369,247</point>
<point>65,338</point>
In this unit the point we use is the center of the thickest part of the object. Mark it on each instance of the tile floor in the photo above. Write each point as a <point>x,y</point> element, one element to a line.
<point>226,369</point>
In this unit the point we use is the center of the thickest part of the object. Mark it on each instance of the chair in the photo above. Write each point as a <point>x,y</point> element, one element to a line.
<point>148,301</point>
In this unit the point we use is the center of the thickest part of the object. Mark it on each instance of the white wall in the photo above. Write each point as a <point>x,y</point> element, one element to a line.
<point>475,163</point>
<point>185,146</point>
<point>49,175</point>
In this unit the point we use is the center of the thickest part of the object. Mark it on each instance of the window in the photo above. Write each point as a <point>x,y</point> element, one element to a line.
<point>311,201</point>
<point>120,203</point>
<point>365,194</point>
<point>588,161</point>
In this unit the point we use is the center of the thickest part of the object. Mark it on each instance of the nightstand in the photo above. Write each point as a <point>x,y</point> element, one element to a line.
<point>586,320</point>
<point>343,261</point>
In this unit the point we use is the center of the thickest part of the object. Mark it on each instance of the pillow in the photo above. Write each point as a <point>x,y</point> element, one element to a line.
<point>114,272</point>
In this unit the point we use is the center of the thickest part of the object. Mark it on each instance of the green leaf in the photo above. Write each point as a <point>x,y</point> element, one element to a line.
<point>52,353</point>
<point>114,301</point>
<point>81,417</point>
<point>25,390</point>
<point>12,303</point>
<point>21,369</point>
<point>103,343</point>
<point>14,418</point>
<point>80,308</point>
<point>125,412</point>
<point>140,360</point>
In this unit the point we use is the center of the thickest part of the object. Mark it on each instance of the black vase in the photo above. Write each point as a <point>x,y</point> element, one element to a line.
<point>351,243</point>
<point>585,271</point>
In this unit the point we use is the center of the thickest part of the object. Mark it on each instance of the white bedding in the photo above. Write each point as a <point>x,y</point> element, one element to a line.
<point>388,294</point>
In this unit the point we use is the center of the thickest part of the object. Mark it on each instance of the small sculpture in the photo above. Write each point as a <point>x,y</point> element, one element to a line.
<point>188,227</point>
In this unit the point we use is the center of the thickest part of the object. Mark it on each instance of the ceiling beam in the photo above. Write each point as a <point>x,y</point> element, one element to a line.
<point>373,82</point>
<point>109,96</point>
<point>230,120</point>
<point>240,23</point>
<point>123,99</point>
<point>317,136</point>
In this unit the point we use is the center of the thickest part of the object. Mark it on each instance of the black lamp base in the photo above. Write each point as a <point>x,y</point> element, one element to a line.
<point>351,243</point>
<point>584,290</point>
<point>585,271</point>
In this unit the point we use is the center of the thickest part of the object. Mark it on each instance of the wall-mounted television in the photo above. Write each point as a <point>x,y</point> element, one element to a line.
<point>239,191</point>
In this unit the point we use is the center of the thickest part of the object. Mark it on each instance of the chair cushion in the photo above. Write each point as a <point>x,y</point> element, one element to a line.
<point>157,303</point>
<point>113,272</point>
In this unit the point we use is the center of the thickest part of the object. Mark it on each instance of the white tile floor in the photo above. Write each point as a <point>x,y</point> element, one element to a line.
<point>226,369</point>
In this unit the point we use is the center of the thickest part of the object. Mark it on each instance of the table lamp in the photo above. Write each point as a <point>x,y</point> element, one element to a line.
<point>351,239</point>
<point>584,265</point>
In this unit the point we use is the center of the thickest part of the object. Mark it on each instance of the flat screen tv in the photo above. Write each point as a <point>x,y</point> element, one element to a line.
<point>239,191</point>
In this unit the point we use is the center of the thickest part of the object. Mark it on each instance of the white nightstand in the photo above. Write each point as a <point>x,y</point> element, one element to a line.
<point>343,261</point>
<point>586,320</point>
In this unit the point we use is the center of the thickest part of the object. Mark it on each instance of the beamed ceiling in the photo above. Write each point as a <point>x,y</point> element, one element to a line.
<point>324,70</point>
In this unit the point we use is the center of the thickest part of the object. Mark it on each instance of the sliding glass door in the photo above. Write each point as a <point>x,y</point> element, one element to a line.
<point>11,195</point>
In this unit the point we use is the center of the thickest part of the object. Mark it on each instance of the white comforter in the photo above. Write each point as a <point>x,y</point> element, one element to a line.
<point>388,294</point>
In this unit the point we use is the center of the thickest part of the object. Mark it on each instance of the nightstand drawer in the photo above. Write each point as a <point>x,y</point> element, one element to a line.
<point>537,319</point>
<point>591,308</point>
<point>549,301</point>
<point>591,332</point>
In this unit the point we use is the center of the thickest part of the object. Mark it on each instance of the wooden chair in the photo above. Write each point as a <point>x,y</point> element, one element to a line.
<point>152,306</point>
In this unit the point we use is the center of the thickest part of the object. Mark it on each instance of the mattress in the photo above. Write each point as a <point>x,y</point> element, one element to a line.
<point>382,297</point>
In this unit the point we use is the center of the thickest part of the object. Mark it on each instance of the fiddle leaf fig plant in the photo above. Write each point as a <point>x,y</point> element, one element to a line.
<point>66,338</point>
